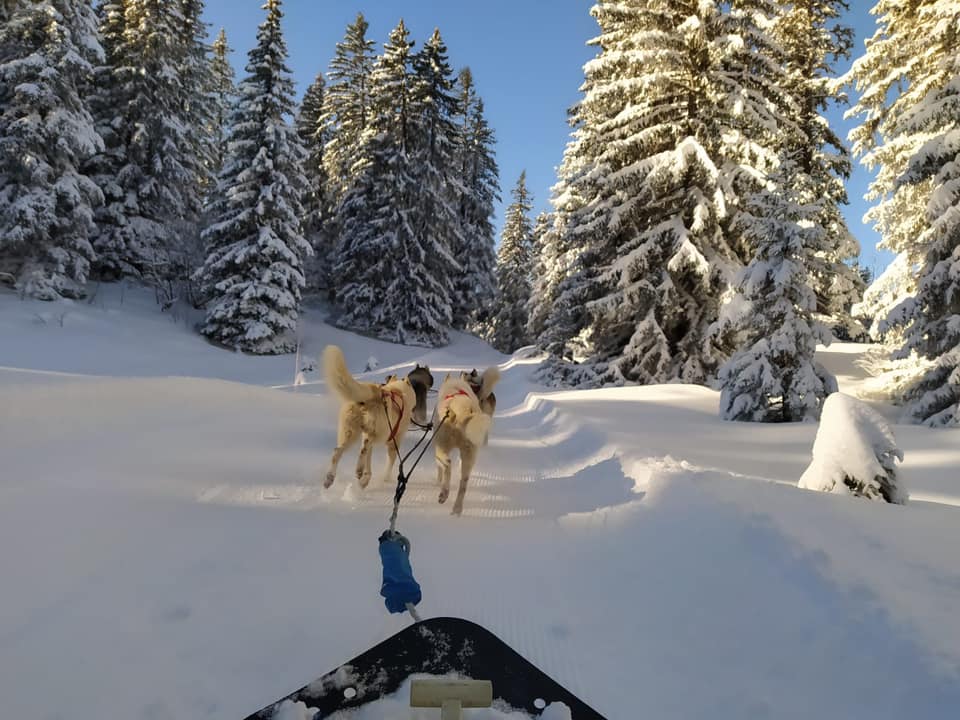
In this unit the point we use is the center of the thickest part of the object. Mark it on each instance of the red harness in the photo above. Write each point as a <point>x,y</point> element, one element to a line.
<point>458,392</point>
<point>398,406</point>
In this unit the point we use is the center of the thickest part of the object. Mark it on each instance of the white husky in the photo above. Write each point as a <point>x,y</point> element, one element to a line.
<point>380,414</point>
<point>465,428</point>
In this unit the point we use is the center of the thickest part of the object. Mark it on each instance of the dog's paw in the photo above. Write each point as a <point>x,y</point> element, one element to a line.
<point>457,509</point>
<point>363,479</point>
<point>444,493</point>
<point>328,481</point>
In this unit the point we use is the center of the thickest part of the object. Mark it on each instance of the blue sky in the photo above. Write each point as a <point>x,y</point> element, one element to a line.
<point>527,59</point>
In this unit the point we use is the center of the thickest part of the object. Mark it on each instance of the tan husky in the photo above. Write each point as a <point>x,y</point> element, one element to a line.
<point>380,414</point>
<point>482,386</point>
<point>465,428</point>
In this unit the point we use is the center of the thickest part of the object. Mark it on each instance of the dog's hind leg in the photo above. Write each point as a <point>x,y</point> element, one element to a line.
<point>364,461</point>
<point>347,437</point>
<point>468,456</point>
<point>443,474</point>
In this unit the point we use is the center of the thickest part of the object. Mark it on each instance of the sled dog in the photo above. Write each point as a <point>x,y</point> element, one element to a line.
<point>464,427</point>
<point>482,386</point>
<point>379,414</point>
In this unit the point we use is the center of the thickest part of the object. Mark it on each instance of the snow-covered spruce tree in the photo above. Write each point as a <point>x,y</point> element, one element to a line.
<point>48,51</point>
<point>773,377</point>
<point>901,64</point>
<point>224,92</point>
<point>107,105</point>
<point>256,250</point>
<point>201,95</point>
<point>683,111</point>
<point>798,240</point>
<point>898,282</point>
<point>436,164</point>
<point>186,251</point>
<point>813,39</point>
<point>475,285</point>
<point>909,80</point>
<point>855,453</point>
<point>508,324</point>
<point>932,317</point>
<point>347,105</point>
<point>318,207</point>
<point>541,252</point>
<point>389,287</point>
<point>151,174</point>
<point>557,306</point>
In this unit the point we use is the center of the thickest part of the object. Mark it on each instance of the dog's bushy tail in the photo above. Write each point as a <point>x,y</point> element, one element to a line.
<point>490,377</point>
<point>476,428</point>
<point>340,380</point>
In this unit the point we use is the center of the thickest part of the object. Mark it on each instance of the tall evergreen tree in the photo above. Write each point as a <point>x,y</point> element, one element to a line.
<point>541,257</point>
<point>475,285</point>
<point>558,306</point>
<point>682,113</point>
<point>347,104</point>
<point>798,239</point>
<point>886,291</point>
<point>909,80</point>
<point>153,177</point>
<point>508,326</point>
<point>773,377</point>
<point>932,319</point>
<point>108,105</point>
<point>224,92</point>
<point>254,269</point>
<point>436,163</point>
<point>200,88</point>
<point>813,39</point>
<point>200,110</point>
<point>317,201</point>
<point>48,51</point>
<point>389,269</point>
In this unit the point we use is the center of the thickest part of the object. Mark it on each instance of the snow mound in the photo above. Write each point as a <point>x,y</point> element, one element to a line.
<point>855,453</point>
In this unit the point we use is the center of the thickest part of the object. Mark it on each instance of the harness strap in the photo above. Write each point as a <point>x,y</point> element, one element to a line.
<point>458,392</point>
<point>403,476</point>
<point>398,406</point>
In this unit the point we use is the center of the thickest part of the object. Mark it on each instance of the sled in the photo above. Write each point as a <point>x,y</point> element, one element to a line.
<point>440,647</point>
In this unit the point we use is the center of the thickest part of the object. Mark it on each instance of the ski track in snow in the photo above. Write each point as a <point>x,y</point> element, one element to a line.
<point>170,553</point>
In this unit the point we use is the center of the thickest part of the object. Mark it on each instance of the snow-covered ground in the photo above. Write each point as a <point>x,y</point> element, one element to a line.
<point>166,550</point>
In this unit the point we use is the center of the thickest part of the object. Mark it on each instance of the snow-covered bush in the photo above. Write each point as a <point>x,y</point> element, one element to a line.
<point>855,453</point>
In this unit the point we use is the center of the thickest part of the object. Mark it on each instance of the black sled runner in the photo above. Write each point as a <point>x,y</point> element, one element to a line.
<point>439,646</point>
